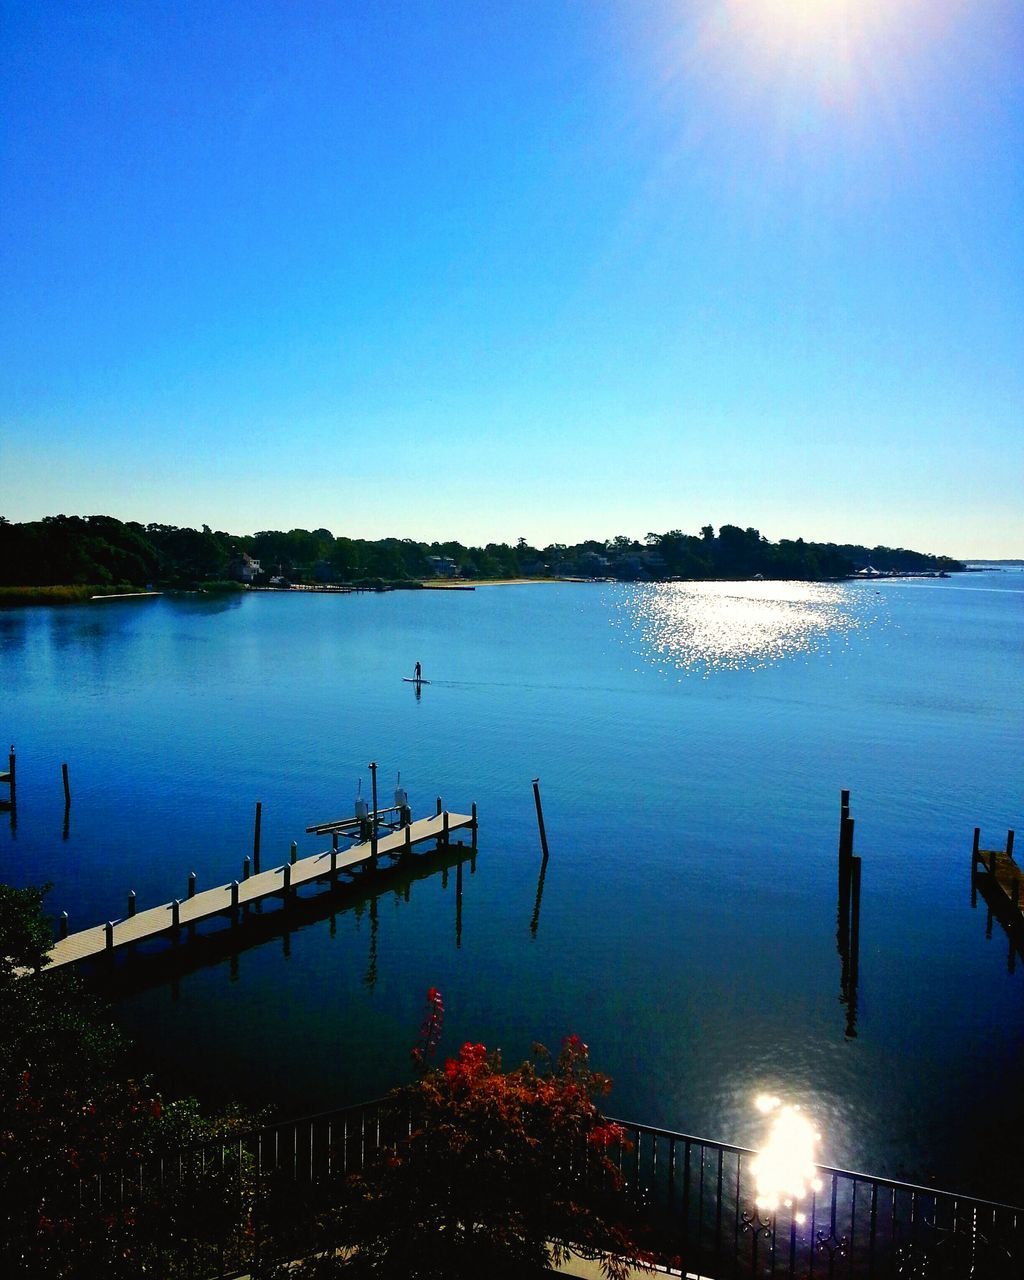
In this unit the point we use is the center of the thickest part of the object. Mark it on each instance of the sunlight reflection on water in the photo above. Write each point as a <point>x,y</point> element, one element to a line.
<point>710,626</point>
<point>784,1167</point>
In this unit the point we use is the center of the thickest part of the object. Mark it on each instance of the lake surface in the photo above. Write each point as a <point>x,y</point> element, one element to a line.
<point>691,741</point>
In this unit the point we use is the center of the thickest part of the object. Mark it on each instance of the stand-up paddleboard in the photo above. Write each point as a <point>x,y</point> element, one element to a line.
<point>413,680</point>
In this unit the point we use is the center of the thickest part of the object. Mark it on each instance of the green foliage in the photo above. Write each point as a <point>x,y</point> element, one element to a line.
<point>66,554</point>
<point>25,935</point>
<point>67,1110</point>
<point>71,1116</point>
<point>64,595</point>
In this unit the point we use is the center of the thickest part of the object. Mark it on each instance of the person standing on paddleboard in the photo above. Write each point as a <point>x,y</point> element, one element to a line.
<point>418,673</point>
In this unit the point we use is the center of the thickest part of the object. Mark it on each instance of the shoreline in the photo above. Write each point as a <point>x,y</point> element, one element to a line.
<point>27,597</point>
<point>462,584</point>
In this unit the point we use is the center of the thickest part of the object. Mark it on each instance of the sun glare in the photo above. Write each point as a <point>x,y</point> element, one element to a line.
<point>828,44</point>
<point>784,1167</point>
<point>839,52</point>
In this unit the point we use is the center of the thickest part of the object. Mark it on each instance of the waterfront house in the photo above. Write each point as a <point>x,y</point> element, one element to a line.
<point>243,568</point>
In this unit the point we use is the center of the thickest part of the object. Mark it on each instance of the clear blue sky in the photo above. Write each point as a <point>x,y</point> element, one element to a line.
<point>482,270</point>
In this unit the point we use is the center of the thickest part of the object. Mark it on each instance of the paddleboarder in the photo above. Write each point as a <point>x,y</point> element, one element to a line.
<point>419,673</point>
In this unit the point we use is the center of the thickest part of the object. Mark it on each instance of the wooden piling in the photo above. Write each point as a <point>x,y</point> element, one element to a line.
<point>234,895</point>
<point>540,817</point>
<point>62,924</point>
<point>245,867</point>
<point>12,777</point>
<point>191,884</point>
<point>176,914</point>
<point>108,933</point>
<point>256,838</point>
<point>408,841</point>
<point>440,806</point>
<point>977,844</point>
<point>1009,844</point>
<point>67,786</point>
<point>845,869</point>
<point>294,853</point>
<point>474,827</point>
<point>287,878</point>
<point>845,854</point>
<point>131,903</point>
<point>373,820</point>
<point>444,828</point>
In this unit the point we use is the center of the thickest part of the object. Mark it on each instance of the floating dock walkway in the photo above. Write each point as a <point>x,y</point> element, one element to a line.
<point>280,882</point>
<point>1000,881</point>
<point>9,775</point>
<point>1003,873</point>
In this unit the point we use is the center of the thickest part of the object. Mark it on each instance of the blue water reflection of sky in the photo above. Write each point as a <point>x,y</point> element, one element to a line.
<point>691,746</point>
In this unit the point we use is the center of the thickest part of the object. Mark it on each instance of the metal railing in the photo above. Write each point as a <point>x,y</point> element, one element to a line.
<point>699,1201</point>
<point>237,1205</point>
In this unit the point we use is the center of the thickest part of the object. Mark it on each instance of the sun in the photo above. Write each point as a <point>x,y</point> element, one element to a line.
<point>837,51</point>
<point>807,36</point>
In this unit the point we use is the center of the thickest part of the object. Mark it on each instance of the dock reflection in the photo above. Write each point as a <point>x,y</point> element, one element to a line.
<point>158,962</point>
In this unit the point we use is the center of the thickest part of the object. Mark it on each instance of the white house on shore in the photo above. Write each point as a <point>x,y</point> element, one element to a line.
<point>244,568</point>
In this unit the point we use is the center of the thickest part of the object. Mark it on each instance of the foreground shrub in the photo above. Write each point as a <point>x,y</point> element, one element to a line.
<point>492,1173</point>
<point>77,1132</point>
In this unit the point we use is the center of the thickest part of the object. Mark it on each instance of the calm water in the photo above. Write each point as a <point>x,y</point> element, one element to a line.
<point>691,740</point>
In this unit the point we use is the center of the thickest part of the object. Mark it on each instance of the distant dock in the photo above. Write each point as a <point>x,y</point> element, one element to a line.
<point>129,595</point>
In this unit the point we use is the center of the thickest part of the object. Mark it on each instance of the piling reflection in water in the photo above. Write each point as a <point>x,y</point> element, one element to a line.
<point>371,965</point>
<point>157,961</point>
<point>535,918</point>
<point>784,1168</point>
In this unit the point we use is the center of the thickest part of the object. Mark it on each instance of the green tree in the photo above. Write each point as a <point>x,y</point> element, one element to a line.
<point>69,1106</point>
<point>72,1113</point>
<point>342,557</point>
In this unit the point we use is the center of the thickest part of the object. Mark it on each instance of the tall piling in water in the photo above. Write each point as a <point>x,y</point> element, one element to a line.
<point>256,839</point>
<point>540,817</point>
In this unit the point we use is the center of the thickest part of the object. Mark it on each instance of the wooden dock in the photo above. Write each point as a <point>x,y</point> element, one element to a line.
<point>9,775</point>
<point>280,881</point>
<point>1000,881</point>
<point>1003,874</point>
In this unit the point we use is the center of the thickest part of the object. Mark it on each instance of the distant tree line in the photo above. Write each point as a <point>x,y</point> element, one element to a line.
<point>103,551</point>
